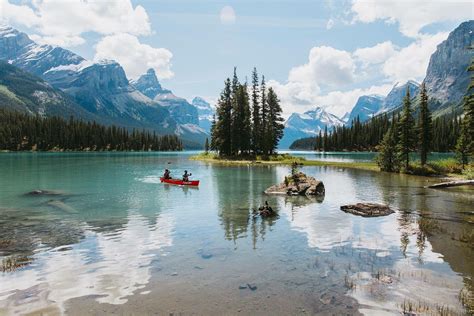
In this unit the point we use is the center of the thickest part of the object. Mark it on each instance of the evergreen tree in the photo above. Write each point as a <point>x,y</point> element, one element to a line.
<point>275,122</point>
<point>237,115</point>
<point>325,138</point>
<point>465,142</point>
<point>213,133</point>
<point>223,128</point>
<point>264,115</point>
<point>424,126</point>
<point>463,150</point>
<point>20,131</point>
<point>245,132</point>
<point>387,159</point>
<point>206,145</point>
<point>406,139</point>
<point>256,115</point>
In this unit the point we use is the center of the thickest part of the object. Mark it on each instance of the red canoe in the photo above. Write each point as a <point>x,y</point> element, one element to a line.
<point>180,182</point>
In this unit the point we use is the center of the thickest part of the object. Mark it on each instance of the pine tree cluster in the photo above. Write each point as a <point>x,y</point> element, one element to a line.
<point>20,131</point>
<point>247,125</point>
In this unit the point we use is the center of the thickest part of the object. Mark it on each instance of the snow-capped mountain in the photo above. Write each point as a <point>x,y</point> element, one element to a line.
<point>100,88</point>
<point>205,112</point>
<point>365,108</point>
<point>25,92</point>
<point>307,124</point>
<point>179,108</point>
<point>395,97</point>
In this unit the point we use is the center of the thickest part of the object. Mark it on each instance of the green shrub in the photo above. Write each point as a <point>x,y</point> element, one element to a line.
<point>449,165</point>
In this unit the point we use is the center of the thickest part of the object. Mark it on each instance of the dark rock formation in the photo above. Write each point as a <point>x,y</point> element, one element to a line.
<point>447,78</point>
<point>367,209</point>
<point>299,184</point>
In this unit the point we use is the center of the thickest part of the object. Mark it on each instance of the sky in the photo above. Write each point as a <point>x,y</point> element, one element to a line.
<point>313,53</point>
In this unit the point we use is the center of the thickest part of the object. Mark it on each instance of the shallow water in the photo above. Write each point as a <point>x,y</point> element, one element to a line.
<point>110,238</point>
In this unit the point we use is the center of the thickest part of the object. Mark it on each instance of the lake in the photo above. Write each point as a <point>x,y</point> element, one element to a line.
<point>362,156</point>
<point>110,238</point>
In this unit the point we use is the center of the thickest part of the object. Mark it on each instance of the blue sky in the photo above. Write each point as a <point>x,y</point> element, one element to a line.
<point>314,53</point>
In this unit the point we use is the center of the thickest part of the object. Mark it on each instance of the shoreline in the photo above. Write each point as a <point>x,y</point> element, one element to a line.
<point>288,160</point>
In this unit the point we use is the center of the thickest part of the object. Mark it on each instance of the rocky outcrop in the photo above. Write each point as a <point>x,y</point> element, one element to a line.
<point>298,184</point>
<point>447,77</point>
<point>367,209</point>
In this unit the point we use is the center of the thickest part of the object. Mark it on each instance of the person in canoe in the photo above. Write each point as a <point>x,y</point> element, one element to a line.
<point>186,176</point>
<point>167,174</point>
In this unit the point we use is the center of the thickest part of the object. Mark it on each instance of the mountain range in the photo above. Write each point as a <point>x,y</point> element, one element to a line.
<point>92,90</point>
<point>446,82</point>
<point>49,80</point>
<point>307,124</point>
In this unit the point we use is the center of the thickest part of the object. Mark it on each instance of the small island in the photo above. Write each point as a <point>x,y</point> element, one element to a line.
<point>298,183</point>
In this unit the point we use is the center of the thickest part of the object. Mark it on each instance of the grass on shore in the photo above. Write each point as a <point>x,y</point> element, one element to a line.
<point>283,159</point>
<point>446,167</point>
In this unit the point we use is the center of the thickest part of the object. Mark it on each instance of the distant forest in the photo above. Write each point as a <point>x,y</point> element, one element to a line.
<point>23,132</point>
<point>367,136</point>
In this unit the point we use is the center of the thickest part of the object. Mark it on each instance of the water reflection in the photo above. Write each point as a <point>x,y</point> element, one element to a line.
<point>122,230</point>
<point>109,265</point>
<point>239,191</point>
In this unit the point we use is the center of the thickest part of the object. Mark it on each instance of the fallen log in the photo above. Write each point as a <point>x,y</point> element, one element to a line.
<point>450,184</point>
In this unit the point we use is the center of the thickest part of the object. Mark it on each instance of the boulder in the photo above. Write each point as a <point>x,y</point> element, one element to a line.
<point>367,209</point>
<point>298,184</point>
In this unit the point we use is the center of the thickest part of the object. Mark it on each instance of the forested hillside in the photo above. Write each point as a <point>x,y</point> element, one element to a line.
<point>20,131</point>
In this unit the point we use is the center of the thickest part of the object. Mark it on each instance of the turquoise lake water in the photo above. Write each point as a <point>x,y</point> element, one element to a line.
<point>110,238</point>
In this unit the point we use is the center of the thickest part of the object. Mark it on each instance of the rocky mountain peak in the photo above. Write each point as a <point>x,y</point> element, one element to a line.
<point>365,107</point>
<point>395,96</point>
<point>149,85</point>
<point>446,77</point>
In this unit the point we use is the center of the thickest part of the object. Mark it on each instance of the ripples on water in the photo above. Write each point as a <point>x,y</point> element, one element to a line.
<point>113,236</point>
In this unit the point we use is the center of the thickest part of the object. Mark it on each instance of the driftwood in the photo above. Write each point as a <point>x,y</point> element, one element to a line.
<point>450,184</point>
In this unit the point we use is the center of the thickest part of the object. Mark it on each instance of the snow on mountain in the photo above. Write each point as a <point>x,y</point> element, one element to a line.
<point>205,112</point>
<point>307,124</point>
<point>395,97</point>
<point>365,108</point>
<point>101,88</point>
<point>179,108</point>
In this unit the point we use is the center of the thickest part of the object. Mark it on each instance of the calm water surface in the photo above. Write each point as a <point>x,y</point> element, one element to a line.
<point>113,239</point>
<point>363,156</point>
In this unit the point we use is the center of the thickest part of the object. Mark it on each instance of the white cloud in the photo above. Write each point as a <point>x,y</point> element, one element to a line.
<point>134,56</point>
<point>341,102</point>
<point>63,22</point>
<point>376,54</point>
<point>227,15</point>
<point>325,80</point>
<point>411,15</point>
<point>326,66</point>
<point>300,98</point>
<point>329,24</point>
<point>412,61</point>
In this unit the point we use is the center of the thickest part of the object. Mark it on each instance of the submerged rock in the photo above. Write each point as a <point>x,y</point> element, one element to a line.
<point>298,184</point>
<point>45,192</point>
<point>367,209</point>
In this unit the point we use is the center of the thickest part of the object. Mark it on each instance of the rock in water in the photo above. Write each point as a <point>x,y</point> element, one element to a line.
<point>367,209</point>
<point>298,184</point>
<point>44,192</point>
